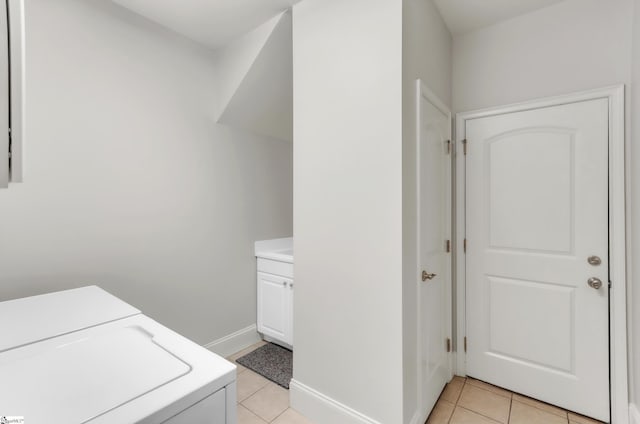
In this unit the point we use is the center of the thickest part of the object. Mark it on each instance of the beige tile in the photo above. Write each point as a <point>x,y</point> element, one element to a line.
<point>540,405</point>
<point>489,387</point>
<point>291,416</point>
<point>247,417</point>
<point>268,402</point>
<point>463,416</point>
<point>526,414</point>
<point>579,419</point>
<point>460,379</point>
<point>441,412</point>
<point>248,383</point>
<point>451,392</point>
<point>485,403</point>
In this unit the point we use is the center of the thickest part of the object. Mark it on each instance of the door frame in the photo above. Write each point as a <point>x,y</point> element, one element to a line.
<point>619,397</point>
<point>422,91</point>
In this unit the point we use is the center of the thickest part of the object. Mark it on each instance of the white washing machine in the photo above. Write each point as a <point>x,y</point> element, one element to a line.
<point>84,356</point>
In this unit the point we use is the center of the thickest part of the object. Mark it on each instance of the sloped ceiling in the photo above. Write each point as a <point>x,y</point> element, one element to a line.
<point>253,50</point>
<point>234,61</point>
<point>213,23</point>
<point>262,100</point>
<point>467,15</point>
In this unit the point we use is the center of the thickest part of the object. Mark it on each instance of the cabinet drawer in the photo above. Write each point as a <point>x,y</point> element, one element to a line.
<point>275,267</point>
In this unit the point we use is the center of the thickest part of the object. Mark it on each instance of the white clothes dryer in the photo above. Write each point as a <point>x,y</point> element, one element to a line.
<point>85,356</point>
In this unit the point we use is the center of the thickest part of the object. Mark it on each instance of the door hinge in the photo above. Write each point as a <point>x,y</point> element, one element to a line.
<point>464,146</point>
<point>448,142</point>
<point>448,345</point>
<point>464,245</point>
<point>465,344</point>
<point>447,246</point>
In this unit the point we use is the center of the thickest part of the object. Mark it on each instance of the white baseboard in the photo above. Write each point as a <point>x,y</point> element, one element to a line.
<point>234,342</point>
<point>322,409</point>
<point>634,414</point>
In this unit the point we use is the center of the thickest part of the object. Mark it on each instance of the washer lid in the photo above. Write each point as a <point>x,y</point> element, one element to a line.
<point>28,320</point>
<point>81,376</point>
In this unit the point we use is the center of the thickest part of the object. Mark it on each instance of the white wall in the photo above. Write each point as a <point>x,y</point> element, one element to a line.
<point>347,58</point>
<point>129,184</point>
<point>426,45</point>
<point>634,216</point>
<point>572,46</point>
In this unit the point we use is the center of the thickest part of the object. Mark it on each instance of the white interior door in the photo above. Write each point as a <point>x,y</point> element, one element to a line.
<point>536,212</point>
<point>434,262</point>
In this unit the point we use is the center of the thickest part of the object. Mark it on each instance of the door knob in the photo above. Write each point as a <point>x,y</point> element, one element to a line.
<point>427,276</point>
<point>594,282</point>
<point>594,260</point>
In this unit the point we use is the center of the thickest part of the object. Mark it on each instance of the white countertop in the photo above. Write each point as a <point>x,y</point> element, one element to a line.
<point>276,249</point>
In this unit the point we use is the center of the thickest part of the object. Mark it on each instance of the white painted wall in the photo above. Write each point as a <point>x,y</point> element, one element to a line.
<point>634,216</point>
<point>426,45</point>
<point>572,46</point>
<point>347,58</point>
<point>130,184</point>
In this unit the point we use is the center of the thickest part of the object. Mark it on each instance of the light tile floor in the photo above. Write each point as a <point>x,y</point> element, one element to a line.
<point>463,401</point>
<point>469,401</point>
<point>259,400</point>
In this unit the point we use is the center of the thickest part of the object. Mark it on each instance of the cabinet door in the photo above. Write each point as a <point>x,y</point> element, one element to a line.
<point>289,339</point>
<point>274,306</point>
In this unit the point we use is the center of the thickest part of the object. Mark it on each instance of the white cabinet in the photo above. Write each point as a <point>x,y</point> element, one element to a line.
<point>275,290</point>
<point>275,307</point>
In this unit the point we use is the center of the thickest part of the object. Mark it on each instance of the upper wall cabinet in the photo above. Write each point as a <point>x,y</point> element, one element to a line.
<point>256,80</point>
<point>12,61</point>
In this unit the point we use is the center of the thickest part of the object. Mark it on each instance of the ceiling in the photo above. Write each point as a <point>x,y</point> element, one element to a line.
<point>466,15</point>
<point>211,22</point>
<point>216,22</point>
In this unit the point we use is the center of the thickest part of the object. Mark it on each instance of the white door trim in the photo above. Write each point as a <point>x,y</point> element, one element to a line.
<point>617,249</point>
<point>423,91</point>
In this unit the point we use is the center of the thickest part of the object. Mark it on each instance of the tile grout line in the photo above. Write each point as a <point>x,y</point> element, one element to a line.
<point>252,413</point>
<point>566,412</point>
<point>482,415</point>
<point>476,412</point>
<point>455,405</point>
<point>511,400</point>
<point>461,390</point>
<point>251,395</point>
<point>288,407</point>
